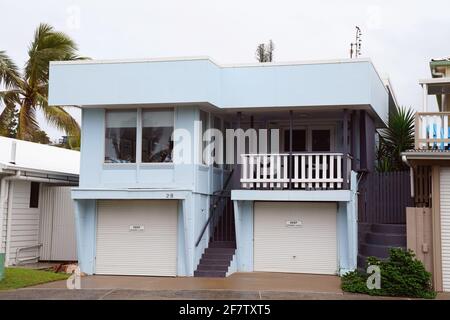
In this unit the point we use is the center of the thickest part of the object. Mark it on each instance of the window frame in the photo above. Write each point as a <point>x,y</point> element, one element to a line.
<point>118,164</point>
<point>139,127</point>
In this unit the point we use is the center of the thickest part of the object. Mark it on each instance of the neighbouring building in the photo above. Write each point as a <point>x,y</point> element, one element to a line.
<point>36,209</point>
<point>144,209</point>
<point>428,222</point>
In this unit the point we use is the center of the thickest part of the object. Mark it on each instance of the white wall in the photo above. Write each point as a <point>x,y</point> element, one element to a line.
<point>24,222</point>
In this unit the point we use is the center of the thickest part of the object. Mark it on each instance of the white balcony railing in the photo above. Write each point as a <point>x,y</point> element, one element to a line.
<point>432,130</point>
<point>309,171</point>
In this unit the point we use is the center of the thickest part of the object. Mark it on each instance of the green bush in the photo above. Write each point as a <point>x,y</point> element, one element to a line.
<point>402,275</point>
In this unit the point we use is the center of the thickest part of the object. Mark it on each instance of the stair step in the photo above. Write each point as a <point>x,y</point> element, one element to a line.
<point>379,251</point>
<point>220,250</point>
<point>228,256</point>
<point>214,261</point>
<point>219,274</point>
<point>222,244</point>
<point>389,228</point>
<point>213,267</point>
<point>387,239</point>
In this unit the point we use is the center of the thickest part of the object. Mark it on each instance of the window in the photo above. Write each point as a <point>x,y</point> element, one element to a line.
<point>34,195</point>
<point>321,140</point>
<point>157,129</point>
<point>120,136</point>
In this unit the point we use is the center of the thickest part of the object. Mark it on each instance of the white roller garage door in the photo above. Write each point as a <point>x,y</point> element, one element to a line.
<point>297,237</point>
<point>137,237</point>
<point>445,226</point>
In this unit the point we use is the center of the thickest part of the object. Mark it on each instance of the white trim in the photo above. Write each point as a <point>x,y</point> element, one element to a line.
<point>445,80</point>
<point>288,195</point>
<point>207,58</point>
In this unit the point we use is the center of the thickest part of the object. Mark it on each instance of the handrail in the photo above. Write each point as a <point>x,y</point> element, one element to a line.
<point>18,250</point>
<point>294,154</point>
<point>214,206</point>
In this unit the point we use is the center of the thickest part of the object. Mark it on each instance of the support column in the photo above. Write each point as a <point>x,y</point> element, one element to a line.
<point>425,97</point>
<point>345,148</point>
<point>291,162</point>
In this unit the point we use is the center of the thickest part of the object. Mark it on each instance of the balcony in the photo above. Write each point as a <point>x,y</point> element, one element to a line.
<point>432,131</point>
<point>298,171</point>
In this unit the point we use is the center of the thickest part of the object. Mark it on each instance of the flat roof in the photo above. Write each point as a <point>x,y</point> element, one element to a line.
<point>229,65</point>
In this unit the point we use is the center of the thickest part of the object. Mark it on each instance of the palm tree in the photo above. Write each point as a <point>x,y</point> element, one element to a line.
<point>28,90</point>
<point>395,139</point>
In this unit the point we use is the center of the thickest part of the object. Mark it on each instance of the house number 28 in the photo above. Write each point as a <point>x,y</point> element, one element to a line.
<point>169,195</point>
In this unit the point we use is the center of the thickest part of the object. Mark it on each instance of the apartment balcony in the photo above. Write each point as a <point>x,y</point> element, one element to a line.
<point>432,131</point>
<point>296,171</point>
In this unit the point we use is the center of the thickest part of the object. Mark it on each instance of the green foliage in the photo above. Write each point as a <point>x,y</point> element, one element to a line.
<point>40,136</point>
<point>402,275</point>
<point>19,278</point>
<point>27,89</point>
<point>395,139</point>
<point>8,125</point>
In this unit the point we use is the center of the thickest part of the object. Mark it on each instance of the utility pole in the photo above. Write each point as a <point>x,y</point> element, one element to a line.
<point>355,47</point>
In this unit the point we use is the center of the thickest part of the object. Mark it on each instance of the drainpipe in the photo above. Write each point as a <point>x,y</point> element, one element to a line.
<point>411,174</point>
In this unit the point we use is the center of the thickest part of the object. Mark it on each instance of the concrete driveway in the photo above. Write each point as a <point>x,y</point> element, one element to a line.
<point>253,286</point>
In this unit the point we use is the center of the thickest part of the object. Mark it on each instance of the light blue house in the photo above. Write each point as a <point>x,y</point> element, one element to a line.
<point>145,206</point>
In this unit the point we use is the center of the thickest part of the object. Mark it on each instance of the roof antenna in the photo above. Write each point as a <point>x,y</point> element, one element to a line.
<point>355,47</point>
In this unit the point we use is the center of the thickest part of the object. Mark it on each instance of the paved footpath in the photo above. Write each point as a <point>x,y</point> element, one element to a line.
<point>251,286</point>
<point>127,294</point>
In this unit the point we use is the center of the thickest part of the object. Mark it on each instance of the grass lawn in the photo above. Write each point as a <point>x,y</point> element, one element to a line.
<point>19,278</point>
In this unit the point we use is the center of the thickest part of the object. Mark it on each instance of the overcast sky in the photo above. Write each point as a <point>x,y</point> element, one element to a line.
<point>399,36</point>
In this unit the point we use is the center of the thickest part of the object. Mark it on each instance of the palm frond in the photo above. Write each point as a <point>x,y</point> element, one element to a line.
<point>47,45</point>
<point>5,117</point>
<point>62,120</point>
<point>9,72</point>
<point>396,138</point>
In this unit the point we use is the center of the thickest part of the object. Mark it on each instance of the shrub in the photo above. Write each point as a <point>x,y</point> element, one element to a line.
<point>402,275</point>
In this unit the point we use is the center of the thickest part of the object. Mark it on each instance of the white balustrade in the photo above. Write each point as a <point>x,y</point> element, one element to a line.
<point>432,130</point>
<point>318,171</point>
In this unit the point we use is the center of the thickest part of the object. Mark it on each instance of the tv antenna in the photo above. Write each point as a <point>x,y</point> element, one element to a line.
<point>355,47</point>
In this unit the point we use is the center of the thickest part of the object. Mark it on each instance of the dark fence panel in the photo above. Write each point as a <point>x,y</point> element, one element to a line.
<point>383,197</point>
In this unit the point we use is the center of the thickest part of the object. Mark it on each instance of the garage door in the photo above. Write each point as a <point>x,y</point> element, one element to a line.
<point>445,227</point>
<point>137,237</point>
<point>297,237</point>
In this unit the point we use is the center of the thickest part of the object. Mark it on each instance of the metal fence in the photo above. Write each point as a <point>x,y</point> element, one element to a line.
<point>383,197</point>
